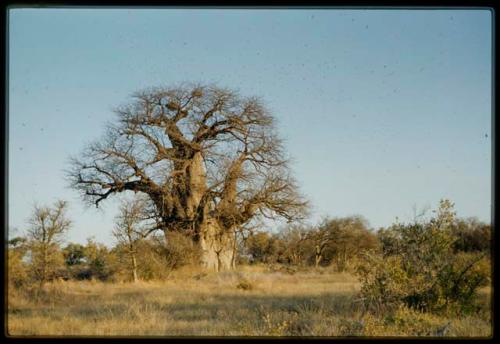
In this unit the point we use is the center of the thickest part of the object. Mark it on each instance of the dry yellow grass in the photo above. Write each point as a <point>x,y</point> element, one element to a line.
<point>194,303</point>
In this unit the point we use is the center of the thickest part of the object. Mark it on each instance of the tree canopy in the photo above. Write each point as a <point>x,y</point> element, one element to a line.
<point>206,157</point>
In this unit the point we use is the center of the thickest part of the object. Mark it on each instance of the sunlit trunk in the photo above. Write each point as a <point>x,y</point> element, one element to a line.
<point>217,246</point>
<point>318,256</point>
<point>43,277</point>
<point>196,184</point>
<point>134,268</point>
<point>317,260</point>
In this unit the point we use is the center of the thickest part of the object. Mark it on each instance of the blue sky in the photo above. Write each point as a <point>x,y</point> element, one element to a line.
<point>381,110</point>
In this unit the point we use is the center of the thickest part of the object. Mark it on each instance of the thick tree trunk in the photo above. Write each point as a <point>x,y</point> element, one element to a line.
<point>196,187</point>
<point>217,246</point>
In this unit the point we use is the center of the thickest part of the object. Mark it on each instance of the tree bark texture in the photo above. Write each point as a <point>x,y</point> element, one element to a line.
<point>217,246</point>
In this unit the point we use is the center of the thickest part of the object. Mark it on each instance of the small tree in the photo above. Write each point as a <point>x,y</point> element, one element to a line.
<point>340,240</point>
<point>47,230</point>
<point>296,243</point>
<point>129,230</point>
<point>258,245</point>
<point>321,238</point>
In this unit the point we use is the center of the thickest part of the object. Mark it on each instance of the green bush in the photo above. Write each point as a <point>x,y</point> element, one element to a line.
<point>471,235</point>
<point>460,280</point>
<point>98,262</point>
<point>17,269</point>
<point>411,322</point>
<point>383,282</point>
<point>421,269</point>
<point>74,254</point>
<point>260,247</point>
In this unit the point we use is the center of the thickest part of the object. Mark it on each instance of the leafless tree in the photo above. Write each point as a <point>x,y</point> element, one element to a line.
<point>131,226</point>
<point>208,159</point>
<point>296,239</point>
<point>46,231</point>
<point>322,238</point>
<point>348,237</point>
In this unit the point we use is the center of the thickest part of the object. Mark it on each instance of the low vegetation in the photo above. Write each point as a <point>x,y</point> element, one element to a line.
<point>340,278</point>
<point>419,268</point>
<point>312,302</point>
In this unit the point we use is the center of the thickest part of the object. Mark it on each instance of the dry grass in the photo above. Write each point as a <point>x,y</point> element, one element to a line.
<point>194,303</point>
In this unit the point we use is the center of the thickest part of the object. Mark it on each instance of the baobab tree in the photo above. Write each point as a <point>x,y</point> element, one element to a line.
<point>208,159</point>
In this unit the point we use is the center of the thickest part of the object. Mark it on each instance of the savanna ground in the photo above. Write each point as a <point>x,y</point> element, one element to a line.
<point>250,302</point>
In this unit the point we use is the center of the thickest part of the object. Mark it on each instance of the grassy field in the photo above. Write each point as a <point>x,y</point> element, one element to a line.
<point>250,302</point>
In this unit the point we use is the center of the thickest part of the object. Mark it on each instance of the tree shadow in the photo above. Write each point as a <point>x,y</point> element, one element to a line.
<point>259,305</point>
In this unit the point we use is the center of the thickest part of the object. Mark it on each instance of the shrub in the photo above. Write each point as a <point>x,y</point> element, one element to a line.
<point>244,284</point>
<point>471,235</point>
<point>411,322</point>
<point>180,250</point>
<point>99,262</point>
<point>17,269</point>
<point>152,262</point>
<point>74,254</point>
<point>423,272</point>
<point>350,328</point>
<point>157,257</point>
<point>260,247</point>
<point>383,282</point>
<point>46,262</point>
<point>461,279</point>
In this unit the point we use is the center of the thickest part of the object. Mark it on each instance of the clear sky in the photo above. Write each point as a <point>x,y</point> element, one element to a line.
<point>381,110</point>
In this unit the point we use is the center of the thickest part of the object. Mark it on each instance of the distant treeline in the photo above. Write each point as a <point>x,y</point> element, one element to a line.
<point>337,243</point>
